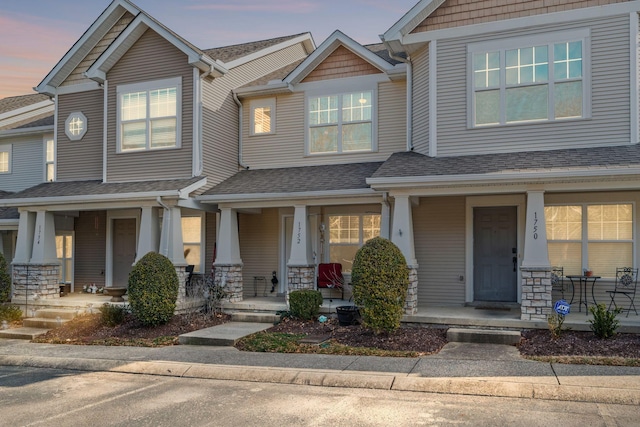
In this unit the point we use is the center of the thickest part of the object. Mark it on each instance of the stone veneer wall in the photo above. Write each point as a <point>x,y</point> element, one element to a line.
<point>30,280</point>
<point>301,278</point>
<point>536,293</point>
<point>229,277</point>
<point>411,302</point>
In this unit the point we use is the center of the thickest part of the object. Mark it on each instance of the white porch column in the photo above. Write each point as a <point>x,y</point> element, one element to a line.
<point>148,240</point>
<point>536,302</point>
<point>301,270</point>
<point>402,237</point>
<point>535,239</point>
<point>44,239</point>
<point>402,234</point>
<point>228,263</point>
<point>171,244</point>
<point>24,243</point>
<point>385,218</point>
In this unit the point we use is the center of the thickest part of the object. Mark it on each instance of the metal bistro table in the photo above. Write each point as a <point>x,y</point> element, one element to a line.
<point>582,282</point>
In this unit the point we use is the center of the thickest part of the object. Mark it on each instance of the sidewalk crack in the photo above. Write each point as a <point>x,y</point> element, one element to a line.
<point>554,373</point>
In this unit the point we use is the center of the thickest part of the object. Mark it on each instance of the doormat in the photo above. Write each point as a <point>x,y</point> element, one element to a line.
<point>492,307</point>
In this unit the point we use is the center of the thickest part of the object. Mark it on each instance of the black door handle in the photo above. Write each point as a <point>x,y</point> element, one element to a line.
<point>515,263</point>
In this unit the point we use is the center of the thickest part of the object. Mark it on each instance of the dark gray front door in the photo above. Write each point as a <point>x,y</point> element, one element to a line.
<point>494,249</point>
<point>124,250</point>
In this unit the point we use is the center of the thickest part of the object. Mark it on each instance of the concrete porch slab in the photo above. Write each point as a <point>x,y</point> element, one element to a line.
<point>226,334</point>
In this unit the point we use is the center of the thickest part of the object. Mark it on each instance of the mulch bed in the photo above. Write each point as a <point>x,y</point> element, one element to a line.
<point>539,342</point>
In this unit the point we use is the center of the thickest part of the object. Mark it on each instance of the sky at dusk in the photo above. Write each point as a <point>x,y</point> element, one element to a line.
<point>35,34</point>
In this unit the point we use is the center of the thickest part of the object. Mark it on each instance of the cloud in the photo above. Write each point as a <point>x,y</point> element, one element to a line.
<point>286,6</point>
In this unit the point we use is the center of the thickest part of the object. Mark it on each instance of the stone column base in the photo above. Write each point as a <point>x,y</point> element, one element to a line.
<point>229,277</point>
<point>300,277</point>
<point>36,281</point>
<point>411,302</point>
<point>181,271</point>
<point>536,293</point>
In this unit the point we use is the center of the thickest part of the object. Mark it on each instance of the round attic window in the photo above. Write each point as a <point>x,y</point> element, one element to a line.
<point>75,126</point>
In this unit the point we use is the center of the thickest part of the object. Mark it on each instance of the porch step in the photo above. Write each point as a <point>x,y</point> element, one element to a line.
<point>226,334</point>
<point>22,333</point>
<point>42,322</point>
<point>483,336</point>
<point>52,313</point>
<point>254,317</point>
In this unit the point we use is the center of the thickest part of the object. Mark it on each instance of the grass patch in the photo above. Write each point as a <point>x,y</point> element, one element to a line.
<point>279,342</point>
<point>587,360</point>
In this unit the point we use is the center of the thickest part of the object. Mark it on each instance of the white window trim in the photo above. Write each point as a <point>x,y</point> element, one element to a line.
<point>328,88</point>
<point>202,266</point>
<point>527,41</point>
<point>261,103</point>
<point>46,163</point>
<point>149,86</point>
<point>7,148</point>
<point>584,240</point>
<point>72,116</point>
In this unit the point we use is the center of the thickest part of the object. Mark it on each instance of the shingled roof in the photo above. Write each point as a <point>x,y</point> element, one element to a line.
<point>233,52</point>
<point>297,180</point>
<point>411,164</point>
<point>98,188</point>
<point>15,102</point>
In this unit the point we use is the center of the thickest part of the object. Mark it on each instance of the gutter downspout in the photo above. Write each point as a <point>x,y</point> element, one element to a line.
<point>407,61</point>
<point>240,114</point>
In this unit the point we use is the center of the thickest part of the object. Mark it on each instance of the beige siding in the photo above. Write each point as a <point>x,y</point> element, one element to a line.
<point>610,123</point>
<point>76,76</point>
<point>456,13</point>
<point>26,162</point>
<point>286,148</point>
<point>90,248</point>
<point>439,236</point>
<point>339,64</point>
<point>80,160</point>
<point>259,243</point>
<point>220,112</point>
<point>420,100</point>
<point>151,58</point>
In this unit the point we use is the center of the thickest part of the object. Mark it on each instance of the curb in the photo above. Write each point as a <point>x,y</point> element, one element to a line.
<point>508,387</point>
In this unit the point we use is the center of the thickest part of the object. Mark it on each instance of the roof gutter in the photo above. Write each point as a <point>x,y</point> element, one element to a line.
<point>26,131</point>
<point>407,61</point>
<point>240,138</point>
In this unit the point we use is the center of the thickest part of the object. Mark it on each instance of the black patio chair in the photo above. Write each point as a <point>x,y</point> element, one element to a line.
<point>557,279</point>
<point>626,283</point>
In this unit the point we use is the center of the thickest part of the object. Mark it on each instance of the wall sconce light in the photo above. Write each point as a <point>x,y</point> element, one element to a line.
<point>400,231</point>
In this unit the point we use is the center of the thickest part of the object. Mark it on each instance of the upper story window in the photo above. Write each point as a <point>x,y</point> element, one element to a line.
<point>75,126</point>
<point>5,158</point>
<point>534,79</point>
<point>263,116</point>
<point>49,160</point>
<point>149,115</point>
<point>341,123</point>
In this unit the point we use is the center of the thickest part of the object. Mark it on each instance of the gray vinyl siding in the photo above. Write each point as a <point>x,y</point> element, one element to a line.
<point>610,122</point>
<point>439,238</point>
<point>80,160</point>
<point>286,147</point>
<point>27,162</point>
<point>90,248</point>
<point>259,245</point>
<point>151,58</point>
<point>220,112</point>
<point>209,240</point>
<point>420,101</point>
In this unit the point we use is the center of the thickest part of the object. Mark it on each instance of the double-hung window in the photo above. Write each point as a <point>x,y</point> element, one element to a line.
<point>149,115</point>
<point>263,114</point>
<point>594,237</point>
<point>49,160</point>
<point>347,233</point>
<point>341,123</point>
<point>5,158</point>
<point>541,78</point>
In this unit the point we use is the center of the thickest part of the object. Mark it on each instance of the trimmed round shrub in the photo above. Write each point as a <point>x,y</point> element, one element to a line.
<point>5,280</point>
<point>380,279</point>
<point>305,303</point>
<point>153,289</point>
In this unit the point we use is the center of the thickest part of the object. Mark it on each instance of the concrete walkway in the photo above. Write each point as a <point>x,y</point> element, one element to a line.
<point>476,369</point>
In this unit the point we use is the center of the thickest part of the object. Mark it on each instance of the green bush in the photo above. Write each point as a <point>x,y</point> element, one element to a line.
<point>604,322</point>
<point>5,280</point>
<point>113,315</point>
<point>10,313</point>
<point>153,289</point>
<point>305,303</point>
<point>380,279</point>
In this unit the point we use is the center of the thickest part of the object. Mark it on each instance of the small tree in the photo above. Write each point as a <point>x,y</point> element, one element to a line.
<point>153,289</point>
<point>380,279</point>
<point>5,280</point>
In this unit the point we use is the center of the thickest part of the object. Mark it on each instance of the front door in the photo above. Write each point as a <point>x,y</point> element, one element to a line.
<point>124,250</point>
<point>495,254</point>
